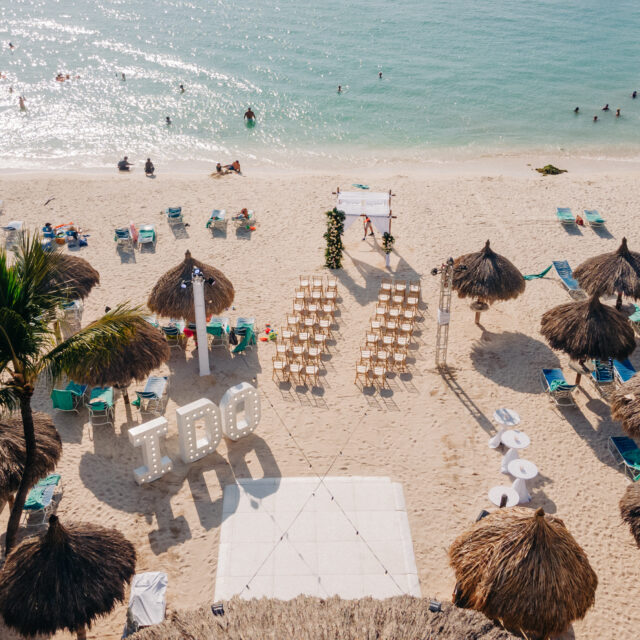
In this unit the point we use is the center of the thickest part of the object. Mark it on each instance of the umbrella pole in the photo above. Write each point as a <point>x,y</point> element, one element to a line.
<point>619,301</point>
<point>81,633</point>
<point>201,325</point>
<point>578,378</point>
<point>477,320</point>
<point>125,395</point>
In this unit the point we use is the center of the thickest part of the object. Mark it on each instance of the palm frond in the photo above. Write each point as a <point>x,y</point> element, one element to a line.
<point>92,346</point>
<point>9,400</point>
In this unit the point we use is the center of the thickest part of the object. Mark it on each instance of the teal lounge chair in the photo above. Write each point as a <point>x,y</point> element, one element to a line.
<point>218,329</point>
<point>174,215</point>
<point>626,452</point>
<point>555,384</point>
<point>70,398</point>
<point>593,218</point>
<point>40,500</point>
<point>634,319</point>
<point>623,370</point>
<point>123,237</point>
<point>154,396</point>
<point>566,277</point>
<point>218,218</point>
<point>565,216</point>
<point>101,410</point>
<point>147,235</point>
<point>602,376</point>
<point>246,329</point>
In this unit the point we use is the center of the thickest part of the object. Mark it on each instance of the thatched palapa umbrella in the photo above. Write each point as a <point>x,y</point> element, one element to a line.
<point>617,272</point>
<point>625,406</point>
<point>525,569</point>
<point>171,300</point>
<point>488,277</point>
<point>588,329</point>
<point>630,509</point>
<point>76,275</point>
<point>147,350</point>
<point>65,578</point>
<point>13,452</point>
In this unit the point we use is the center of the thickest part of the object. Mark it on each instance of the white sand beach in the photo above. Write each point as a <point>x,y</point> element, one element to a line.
<point>429,433</point>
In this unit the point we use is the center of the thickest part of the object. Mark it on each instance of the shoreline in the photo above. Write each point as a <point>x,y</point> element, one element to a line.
<point>512,165</point>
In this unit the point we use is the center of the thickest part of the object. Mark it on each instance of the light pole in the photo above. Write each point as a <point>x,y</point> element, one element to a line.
<point>197,282</point>
<point>444,308</point>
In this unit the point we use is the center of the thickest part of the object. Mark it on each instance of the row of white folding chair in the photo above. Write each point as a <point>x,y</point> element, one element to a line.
<point>310,323</point>
<point>383,326</point>
<point>384,356</point>
<point>299,350</point>
<point>400,336</point>
<point>298,372</point>
<point>319,282</point>
<point>371,375</point>
<point>398,300</point>
<point>400,286</point>
<point>317,295</point>
<point>315,338</point>
<point>303,307</point>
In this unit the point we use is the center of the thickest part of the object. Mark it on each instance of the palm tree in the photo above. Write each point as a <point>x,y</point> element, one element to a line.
<point>31,293</point>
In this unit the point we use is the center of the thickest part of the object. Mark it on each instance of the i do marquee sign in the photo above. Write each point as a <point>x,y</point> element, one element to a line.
<point>225,420</point>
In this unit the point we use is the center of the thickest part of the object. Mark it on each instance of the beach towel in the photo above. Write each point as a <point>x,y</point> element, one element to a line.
<point>560,385</point>
<point>247,339</point>
<point>542,274</point>
<point>360,186</point>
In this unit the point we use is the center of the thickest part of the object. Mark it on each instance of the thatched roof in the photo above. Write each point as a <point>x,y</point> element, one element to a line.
<point>488,276</point>
<point>76,275</point>
<point>625,406</point>
<point>65,578</point>
<point>146,351</point>
<point>170,300</point>
<point>610,273</point>
<point>13,451</point>
<point>588,329</point>
<point>524,568</point>
<point>307,618</point>
<point>630,509</point>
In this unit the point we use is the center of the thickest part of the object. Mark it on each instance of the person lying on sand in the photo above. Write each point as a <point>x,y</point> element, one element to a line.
<point>234,166</point>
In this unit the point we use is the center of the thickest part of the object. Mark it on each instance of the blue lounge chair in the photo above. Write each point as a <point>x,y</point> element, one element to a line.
<point>593,218</point>
<point>602,376</point>
<point>123,237</point>
<point>565,274</point>
<point>623,370</point>
<point>626,452</point>
<point>555,384</point>
<point>174,215</point>
<point>173,336</point>
<point>565,216</point>
<point>154,396</point>
<point>100,405</point>
<point>70,398</point>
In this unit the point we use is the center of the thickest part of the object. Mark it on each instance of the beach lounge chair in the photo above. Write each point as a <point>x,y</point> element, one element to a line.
<point>73,310</point>
<point>173,336</point>
<point>246,329</point>
<point>623,370</point>
<point>634,319</point>
<point>147,601</point>
<point>100,406</point>
<point>242,221</point>
<point>626,452</point>
<point>122,237</point>
<point>12,232</point>
<point>154,396</point>
<point>565,216</point>
<point>40,500</point>
<point>555,384</point>
<point>218,329</point>
<point>565,274</point>
<point>602,376</point>
<point>174,215</point>
<point>147,235</point>
<point>217,220</point>
<point>70,398</point>
<point>593,218</point>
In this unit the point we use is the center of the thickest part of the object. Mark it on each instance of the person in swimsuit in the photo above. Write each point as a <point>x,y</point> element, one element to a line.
<point>249,115</point>
<point>576,110</point>
<point>634,95</point>
<point>168,120</point>
<point>617,113</point>
<point>181,88</point>
<point>234,166</point>
<point>606,107</point>
<point>380,75</point>
<point>595,118</point>
<point>23,107</point>
<point>368,227</point>
<point>339,88</point>
<point>148,167</point>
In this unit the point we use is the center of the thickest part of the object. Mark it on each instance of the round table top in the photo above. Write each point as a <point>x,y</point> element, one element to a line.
<point>507,417</point>
<point>524,469</point>
<point>496,493</point>
<point>515,439</point>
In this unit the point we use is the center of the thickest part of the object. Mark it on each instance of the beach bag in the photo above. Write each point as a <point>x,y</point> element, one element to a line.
<point>233,338</point>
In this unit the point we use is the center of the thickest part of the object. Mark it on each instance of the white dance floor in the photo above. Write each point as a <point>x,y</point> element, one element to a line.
<point>282,537</point>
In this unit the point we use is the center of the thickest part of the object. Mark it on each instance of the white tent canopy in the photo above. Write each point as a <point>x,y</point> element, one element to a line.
<point>376,205</point>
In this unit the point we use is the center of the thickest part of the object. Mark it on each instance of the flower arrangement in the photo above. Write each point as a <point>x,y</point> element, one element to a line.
<point>333,236</point>
<point>387,242</point>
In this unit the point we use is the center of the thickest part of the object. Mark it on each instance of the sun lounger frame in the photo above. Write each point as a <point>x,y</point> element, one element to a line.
<point>563,397</point>
<point>617,453</point>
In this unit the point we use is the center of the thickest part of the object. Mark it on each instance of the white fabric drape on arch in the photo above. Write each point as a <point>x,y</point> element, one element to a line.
<point>376,205</point>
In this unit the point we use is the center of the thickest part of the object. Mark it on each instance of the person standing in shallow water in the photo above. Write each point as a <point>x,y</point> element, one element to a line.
<point>249,115</point>
<point>576,110</point>
<point>339,88</point>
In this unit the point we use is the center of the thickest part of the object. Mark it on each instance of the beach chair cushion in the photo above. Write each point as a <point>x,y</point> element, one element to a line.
<point>635,316</point>
<point>593,217</point>
<point>624,370</point>
<point>565,274</point>
<point>628,450</point>
<point>564,215</point>
<point>602,374</point>
<point>154,388</point>
<point>146,234</point>
<point>122,234</point>
<point>556,381</point>
<point>174,210</point>
<point>39,498</point>
<point>101,398</point>
<point>53,479</point>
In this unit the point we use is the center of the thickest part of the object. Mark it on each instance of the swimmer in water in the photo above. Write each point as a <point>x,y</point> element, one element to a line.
<point>380,75</point>
<point>124,78</point>
<point>634,95</point>
<point>617,113</point>
<point>21,103</point>
<point>168,120</point>
<point>606,107</point>
<point>10,89</point>
<point>576,110</point>
<point>181,88</point>
<point>595,118</point>
<point>339,88</point>
<point>11,46</point>
<point>249,115</point>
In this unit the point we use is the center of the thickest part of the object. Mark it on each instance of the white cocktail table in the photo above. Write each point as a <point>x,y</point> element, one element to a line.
<point>514,440</point>
<point>507,418</point>
<point>496,493</point>
<point>522,470</point>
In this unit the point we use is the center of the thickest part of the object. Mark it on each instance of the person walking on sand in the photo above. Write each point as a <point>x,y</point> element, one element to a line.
<point>367,227</point>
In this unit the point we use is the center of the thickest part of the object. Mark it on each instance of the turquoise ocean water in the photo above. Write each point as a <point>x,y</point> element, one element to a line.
<point>459,77</point>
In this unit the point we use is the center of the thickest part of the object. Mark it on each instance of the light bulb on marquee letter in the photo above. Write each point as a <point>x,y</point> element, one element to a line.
<point>242,394</point>
<point>147,436</point>
<point>191,448</point>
